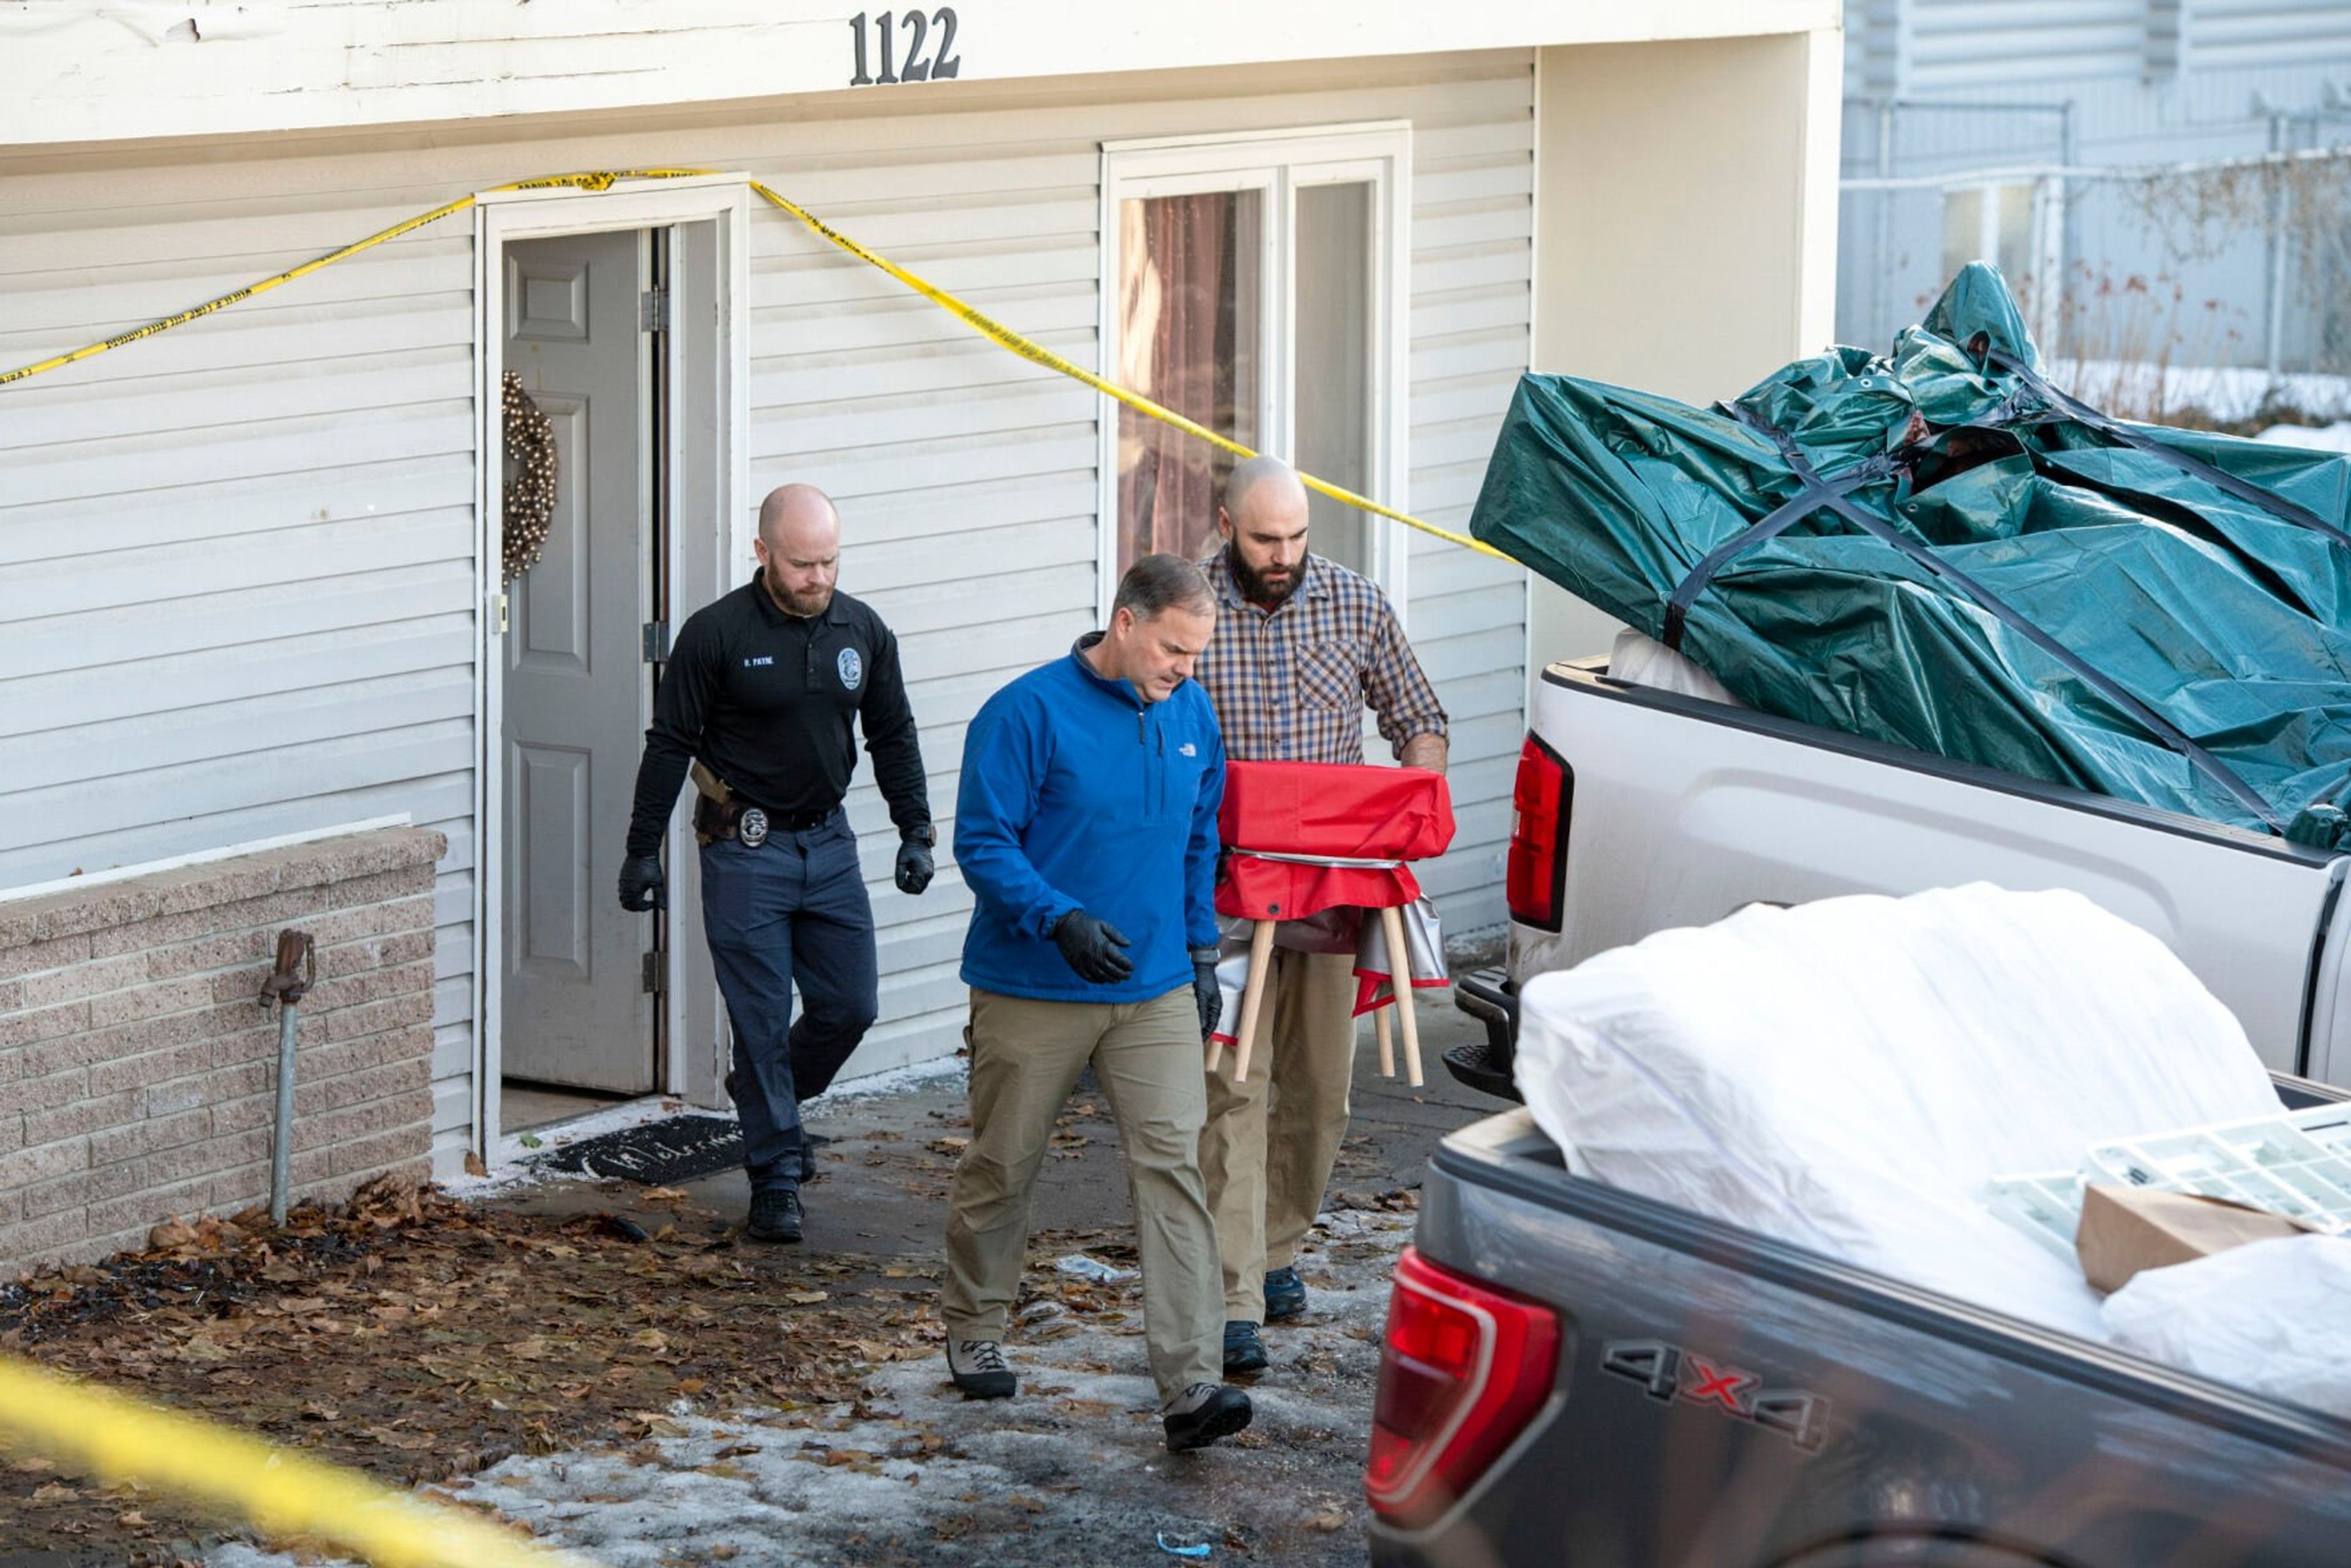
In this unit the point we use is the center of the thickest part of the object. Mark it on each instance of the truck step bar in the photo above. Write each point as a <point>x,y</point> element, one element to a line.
<point>1490,997</point>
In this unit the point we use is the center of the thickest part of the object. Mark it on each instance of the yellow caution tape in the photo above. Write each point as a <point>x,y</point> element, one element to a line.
<point>600,180</point>
<point>997,332</point>
<point>281,1493</point>
<point>226,300</point>
<point>977,320</point>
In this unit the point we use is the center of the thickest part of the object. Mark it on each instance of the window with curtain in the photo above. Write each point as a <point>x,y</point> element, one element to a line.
<point>1188,295</point>
<point>1254,292</point>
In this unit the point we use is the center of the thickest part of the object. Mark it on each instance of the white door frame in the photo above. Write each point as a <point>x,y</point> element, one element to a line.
<point>1280,163</point>
<point>694,559</point>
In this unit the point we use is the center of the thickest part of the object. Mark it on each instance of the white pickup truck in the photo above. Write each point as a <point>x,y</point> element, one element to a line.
<point>1640,809</point>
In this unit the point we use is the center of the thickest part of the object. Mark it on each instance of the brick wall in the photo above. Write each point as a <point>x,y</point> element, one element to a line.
<point>137,1073</point>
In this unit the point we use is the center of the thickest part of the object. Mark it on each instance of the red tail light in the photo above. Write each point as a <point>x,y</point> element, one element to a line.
<point>1464,1369</point>
<point>1536,882</point>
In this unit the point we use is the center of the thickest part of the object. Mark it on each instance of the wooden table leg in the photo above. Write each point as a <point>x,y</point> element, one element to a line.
<point>1252,997</point>
<point>1400,978</point>
<point>1387,1042</point>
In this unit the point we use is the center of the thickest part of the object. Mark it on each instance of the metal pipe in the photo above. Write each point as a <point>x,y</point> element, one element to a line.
<point>2069,244</point>
<point>2273,347</point>
<point>281,1147</point>
<point>1896,100</point>
<point>1882,285</point>
<point>2020,174</point>
<point>297,972</point>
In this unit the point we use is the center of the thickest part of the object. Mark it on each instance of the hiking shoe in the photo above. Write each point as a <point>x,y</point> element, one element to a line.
<point>1204,1413</point>
<point>979,1369</point>
<point>775,1217</point>
<point>1244,1351</point>
<point>1285,1295</point>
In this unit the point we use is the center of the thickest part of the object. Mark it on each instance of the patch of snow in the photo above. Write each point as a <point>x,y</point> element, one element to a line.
<point>1080,1451</point>
<point>518,1165</point>
<point>2228,392</point>
<point>880,1085</point>
<point>512,1167</point>
<point>2318,437</point>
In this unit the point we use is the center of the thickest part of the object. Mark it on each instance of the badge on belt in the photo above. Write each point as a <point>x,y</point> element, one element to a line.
<point>751,827</point>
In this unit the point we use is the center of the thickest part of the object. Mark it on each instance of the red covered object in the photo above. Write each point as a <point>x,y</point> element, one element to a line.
<point>1325,811</point>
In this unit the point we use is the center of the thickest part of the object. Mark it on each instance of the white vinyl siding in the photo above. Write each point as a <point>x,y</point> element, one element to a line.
<point>238,561</point>
<point>2254,35</point>
<point>1974,47</point>
<point>1925,47</point>
<point>1960,44</point>
<point>1472,270</point>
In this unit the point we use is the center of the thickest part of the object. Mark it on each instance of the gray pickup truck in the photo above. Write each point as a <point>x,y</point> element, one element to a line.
<point>1574,1373</point>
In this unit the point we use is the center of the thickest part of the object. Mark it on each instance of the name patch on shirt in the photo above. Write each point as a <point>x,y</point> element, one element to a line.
<point>760,659</point>
<point>852,669</point>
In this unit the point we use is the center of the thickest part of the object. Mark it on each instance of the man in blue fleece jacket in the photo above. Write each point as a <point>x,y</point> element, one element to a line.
<point>1086,829</point>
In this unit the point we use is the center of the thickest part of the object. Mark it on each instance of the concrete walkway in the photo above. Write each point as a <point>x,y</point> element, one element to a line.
<point>1073,1470</point>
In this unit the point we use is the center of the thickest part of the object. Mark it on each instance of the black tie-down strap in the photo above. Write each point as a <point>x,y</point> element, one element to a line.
<point>1818,494</point>
<point>2244,490</point>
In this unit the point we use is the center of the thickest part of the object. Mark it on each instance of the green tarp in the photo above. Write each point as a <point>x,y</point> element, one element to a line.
<point>1960,560</point>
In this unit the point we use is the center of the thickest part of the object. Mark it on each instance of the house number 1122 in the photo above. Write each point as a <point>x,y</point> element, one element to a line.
<point>944,65</point>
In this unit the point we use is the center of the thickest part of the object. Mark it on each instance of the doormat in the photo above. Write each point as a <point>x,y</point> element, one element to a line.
<point>659,1153</point>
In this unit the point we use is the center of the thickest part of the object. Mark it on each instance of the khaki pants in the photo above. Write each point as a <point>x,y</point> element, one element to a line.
<point>1025,1059</point>
<point>1270,1142</point>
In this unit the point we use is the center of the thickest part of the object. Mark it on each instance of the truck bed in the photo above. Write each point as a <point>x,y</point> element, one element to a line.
<point>1895,1425</point>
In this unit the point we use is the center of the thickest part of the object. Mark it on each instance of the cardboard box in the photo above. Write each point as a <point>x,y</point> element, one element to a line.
<point>2128,1228</point>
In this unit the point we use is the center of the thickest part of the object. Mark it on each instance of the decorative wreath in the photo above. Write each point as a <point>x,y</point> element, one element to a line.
<point>530,493</point>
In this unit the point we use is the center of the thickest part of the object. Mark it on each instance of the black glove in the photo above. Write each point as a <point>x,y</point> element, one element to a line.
<point>642,886</point>
<point>1205,991</point>
<point>914,867</point>
<point>1095,948</point>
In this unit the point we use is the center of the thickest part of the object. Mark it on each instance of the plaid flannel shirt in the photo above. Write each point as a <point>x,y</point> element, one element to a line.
<point>1291,685</point>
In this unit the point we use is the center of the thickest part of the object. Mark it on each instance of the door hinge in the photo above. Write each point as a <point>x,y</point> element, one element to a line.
<point>652,310</point>
<point>653,976</point>
<point>656,641</point>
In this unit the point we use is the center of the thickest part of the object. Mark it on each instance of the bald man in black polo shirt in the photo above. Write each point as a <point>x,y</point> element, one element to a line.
<point>762,689</point>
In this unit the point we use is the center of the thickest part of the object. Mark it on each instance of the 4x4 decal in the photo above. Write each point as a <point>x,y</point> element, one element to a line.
<point>1666,1372</point>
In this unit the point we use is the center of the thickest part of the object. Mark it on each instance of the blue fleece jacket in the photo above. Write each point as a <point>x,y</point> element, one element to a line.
<point>1077,794</point>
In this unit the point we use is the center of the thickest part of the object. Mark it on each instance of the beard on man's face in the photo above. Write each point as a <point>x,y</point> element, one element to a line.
<point>804,604</point>
<point>1257,589</point>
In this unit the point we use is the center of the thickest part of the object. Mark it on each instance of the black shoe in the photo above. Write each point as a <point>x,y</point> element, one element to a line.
<point>775,1215</point>
<point>1204,1413</point>
<point>810,1145</point>
<point>978,1370</point>
<point>1244,1351</point>
<point>1285,1295</point>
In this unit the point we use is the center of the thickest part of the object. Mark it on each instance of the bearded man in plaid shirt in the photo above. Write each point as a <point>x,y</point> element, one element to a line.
<point>1301,646</point>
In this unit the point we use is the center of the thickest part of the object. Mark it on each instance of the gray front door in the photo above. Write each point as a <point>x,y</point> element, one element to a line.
<point>576,1009</point>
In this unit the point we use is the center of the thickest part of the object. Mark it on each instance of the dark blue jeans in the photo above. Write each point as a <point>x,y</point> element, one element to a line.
<point>793,910</point>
